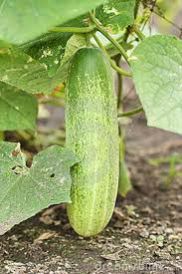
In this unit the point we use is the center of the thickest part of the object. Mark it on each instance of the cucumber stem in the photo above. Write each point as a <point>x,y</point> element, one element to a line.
<point>131,113</point>
<point>136,11</point>
<point>124,185</point>
<point>120,87</point>
<point>101,29</point>
<point>113,64</point>
<point>2,136</point>
<point>120,70</point>
<point>137,6</point>
<point>139,34</point>
<point>73,29</point>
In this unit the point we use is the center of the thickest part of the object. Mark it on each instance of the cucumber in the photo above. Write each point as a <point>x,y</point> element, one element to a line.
<point>92,134</point>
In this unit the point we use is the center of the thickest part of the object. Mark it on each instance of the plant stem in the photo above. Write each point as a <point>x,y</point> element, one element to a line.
<point>124,184</point>
<point>128,30</point>
<point>120,70</point>
<point>109,37</point>
<point>113,64</point>
<point>120,108</point>
<point>1,135</point>
<point>120,92</point>
<point>140,35</point>
<point>131,113</point>
<point>120,86</point>
<point>73,29</point>
<point>137,5</point>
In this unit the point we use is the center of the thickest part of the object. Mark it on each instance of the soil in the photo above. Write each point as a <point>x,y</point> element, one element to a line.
<point>144,235</point>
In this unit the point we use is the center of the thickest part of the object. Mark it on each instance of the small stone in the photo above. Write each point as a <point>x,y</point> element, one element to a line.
<point>169,231</point>
<point>144,234</point>
<point>67,265</point>
<point>153,238</point>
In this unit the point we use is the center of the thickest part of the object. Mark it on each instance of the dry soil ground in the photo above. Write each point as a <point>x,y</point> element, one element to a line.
<point>144,235</point>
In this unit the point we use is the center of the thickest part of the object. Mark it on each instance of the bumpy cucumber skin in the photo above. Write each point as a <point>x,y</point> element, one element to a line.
<point>92,133</point>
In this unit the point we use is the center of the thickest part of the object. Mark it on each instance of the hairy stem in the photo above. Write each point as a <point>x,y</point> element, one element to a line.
<point>73,29</point>
<point>1,135</point>
<point>113,64</point>
<point>131,113</point>
<point>137,6</point>
<point>120,87</point>
<point>128,30</point>
<point>140,35</point>
<point>101,29</point>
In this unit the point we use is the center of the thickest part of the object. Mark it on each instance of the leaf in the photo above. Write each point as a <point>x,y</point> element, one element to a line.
<point>21,21</point>
<point>116,14</point>
<point>76,42</point>
<point>18,109</point>
<point>22,71</point>
<point>51,48</point>
<point>48,49</point>
<point>157,71</point>
<point>25,191</point>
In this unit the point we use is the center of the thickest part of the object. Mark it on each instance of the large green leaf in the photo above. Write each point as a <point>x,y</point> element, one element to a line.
<point>157,71</point>
<point>22,71</point>
<point>21,21</point>
<point>116,14</point>
<point>55,51</point>
<point>18,109</point>
<point>48,49</point>
<point>25,191</point>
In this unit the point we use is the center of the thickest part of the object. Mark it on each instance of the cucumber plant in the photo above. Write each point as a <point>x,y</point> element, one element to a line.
<point>71,58</point>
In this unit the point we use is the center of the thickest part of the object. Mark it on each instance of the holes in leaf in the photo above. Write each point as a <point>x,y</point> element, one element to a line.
<point>52,175</point>
<point>16,151</point>
<point>17,170</point>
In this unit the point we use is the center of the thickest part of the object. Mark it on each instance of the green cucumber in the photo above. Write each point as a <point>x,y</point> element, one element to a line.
<point>92,134</point>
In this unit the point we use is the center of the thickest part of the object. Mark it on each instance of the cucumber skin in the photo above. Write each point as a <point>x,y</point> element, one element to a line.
<point>92,134</point>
